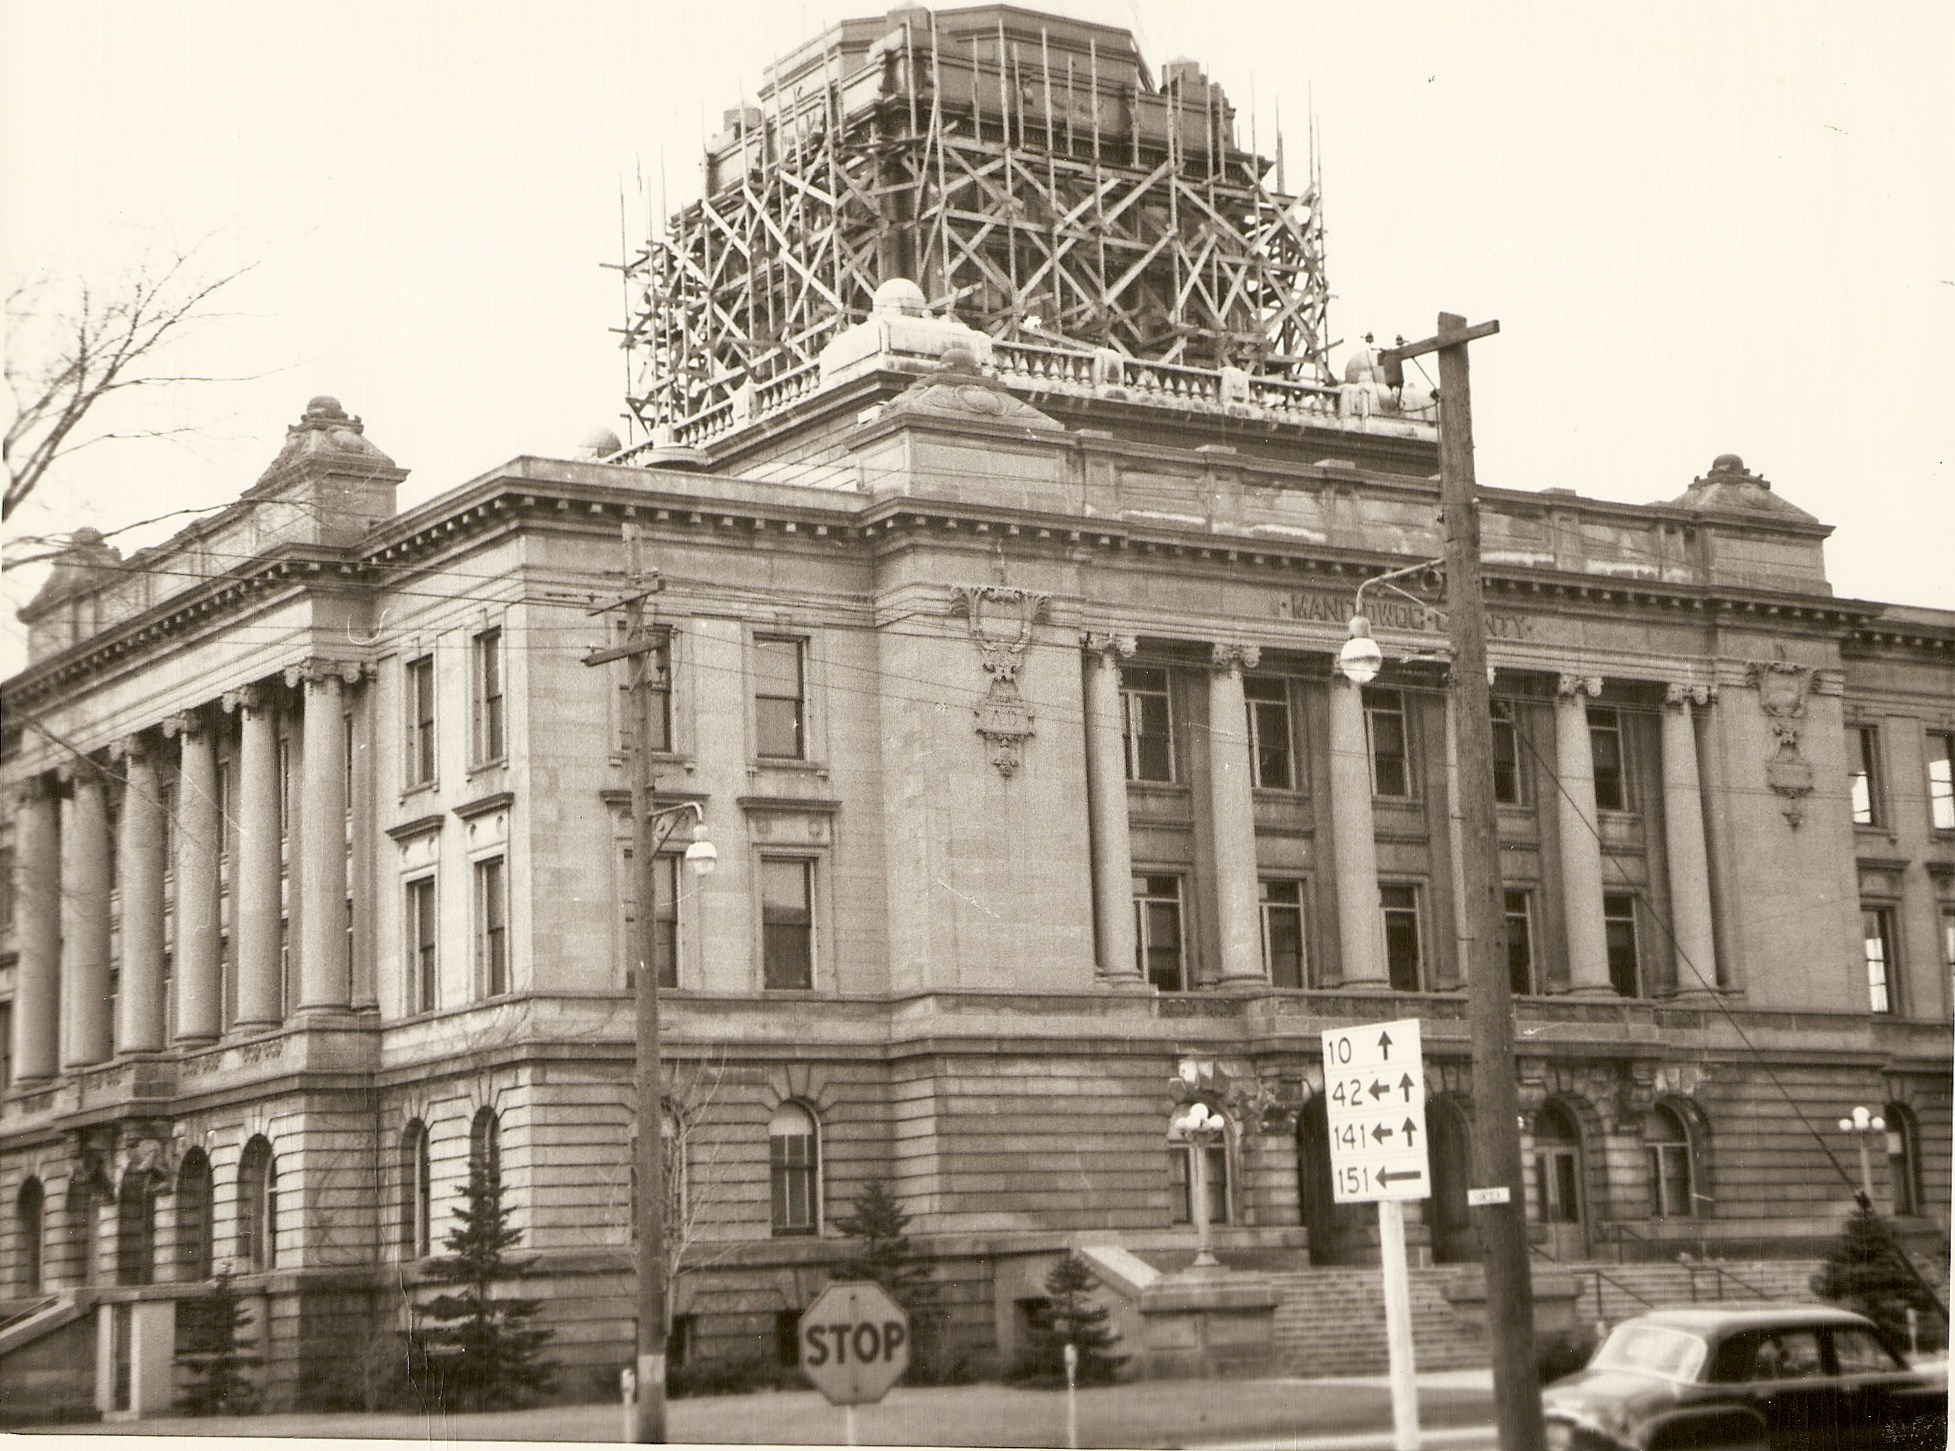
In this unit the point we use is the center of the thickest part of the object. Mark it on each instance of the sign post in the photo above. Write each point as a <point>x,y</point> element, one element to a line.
<point>1375,1109</point>
<point>855,1345</point>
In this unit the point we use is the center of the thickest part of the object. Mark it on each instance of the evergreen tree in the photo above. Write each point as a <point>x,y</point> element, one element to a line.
<point>1866,1272</point>
<point>216,1354</point>
<point>1072,1318</point>
<point>882,1253</point>
<point>471,1350</point>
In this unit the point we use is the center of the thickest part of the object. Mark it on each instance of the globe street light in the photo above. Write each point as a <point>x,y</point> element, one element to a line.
<point>1863,1124</point>
<point>1201,1128</point>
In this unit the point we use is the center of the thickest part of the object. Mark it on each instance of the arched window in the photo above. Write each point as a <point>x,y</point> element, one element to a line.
<point>193,1217</point>
<point>1557,1167</point>
<point>135,1230</point>
<point>30,1213</point>
<point>794,1170</point>
<point>1667,1143</point>
<point>1181,1176</point>
<point>485,1143</point>
<point>417,1193</point>
<point>1903,1158</point>
<point>258,1207</point>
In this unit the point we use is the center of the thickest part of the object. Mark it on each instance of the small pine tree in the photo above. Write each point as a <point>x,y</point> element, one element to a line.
<point>216,1354</point>
<point>1072,1318</point>
<point>1866,1272</point>
<point>878,1223</point>
<point>470,1349</point>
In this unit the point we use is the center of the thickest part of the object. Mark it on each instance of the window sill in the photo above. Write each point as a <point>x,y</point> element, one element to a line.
<point>494,763</point>
<point>787,763</point>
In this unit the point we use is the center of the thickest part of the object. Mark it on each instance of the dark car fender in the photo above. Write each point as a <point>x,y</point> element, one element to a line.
<point>1714,1426</point>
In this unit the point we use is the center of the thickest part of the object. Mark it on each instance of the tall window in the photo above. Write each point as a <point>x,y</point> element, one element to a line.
<point>30,1214</point>
<point>258,1207</point>
<point>1158,946</point>
<point>194,1221</point>
<point>1272,763</point>
<point>1619,936</point>
<point>1877,929</point>
<point>1863,774</point>
<point>1518,917</point>
<point>1903,1158</point>
<point>780,700</point>
<point>787,922</point>
<point>659,663</point>
<point>1605,741</point>
<point>1391,757</point>
<point>492,926</point>
<point>485,1143</point>
<point>135,1230</point>
<point>1667,1144</point>
<point>1147,724</point>
<point>794,1170</point>
<point>418,684</point>
<point>1509,783</point>
<point>1402,954</point>
<point>1181,1170</point>
<point>1941,780</point>
<point>417,1193</point>
<point>488,724</point>
<point>423,987</point>
<point>1283,949</point>
<point>1557,1167</point>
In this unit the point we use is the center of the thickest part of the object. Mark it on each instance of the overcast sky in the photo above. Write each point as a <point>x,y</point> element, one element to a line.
<point>1702,228</point>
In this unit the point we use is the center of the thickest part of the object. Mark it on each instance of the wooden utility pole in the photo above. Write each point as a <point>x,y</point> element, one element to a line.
<point>1496,1106</point>
<point>639,646</point>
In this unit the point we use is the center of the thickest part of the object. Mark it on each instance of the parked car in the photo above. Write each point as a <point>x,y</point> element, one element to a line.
<point>1748,1378</point>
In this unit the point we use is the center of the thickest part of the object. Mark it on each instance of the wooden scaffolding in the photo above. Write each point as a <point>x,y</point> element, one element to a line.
<point>1022,169</point>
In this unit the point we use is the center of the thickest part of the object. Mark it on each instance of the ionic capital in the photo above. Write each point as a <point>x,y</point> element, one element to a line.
<point>41,786</point>
<point>1108,649</point>
<point>134,747</point>
<point>1569,685</point>
<point>319,669</point>
<point>1234,659</point>
<point>190,725</point>
<point>254,697</point>
<point>1685,696</point>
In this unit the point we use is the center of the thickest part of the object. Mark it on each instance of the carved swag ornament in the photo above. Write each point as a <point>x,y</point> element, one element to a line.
<point>1782,690</point>
<point>1002,717</point>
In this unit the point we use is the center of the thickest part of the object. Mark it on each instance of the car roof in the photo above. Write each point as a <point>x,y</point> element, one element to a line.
<point>1724,1318</point>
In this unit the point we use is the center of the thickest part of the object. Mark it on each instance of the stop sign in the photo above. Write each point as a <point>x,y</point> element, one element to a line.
<point>855,1343</point>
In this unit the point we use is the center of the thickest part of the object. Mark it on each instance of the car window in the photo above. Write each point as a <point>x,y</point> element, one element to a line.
<point>1787,1355</point>
<point>1860,1352</point>
<point>1651,1350</point>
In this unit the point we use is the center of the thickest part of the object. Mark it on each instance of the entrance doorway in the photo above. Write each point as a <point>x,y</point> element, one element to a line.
<point>1455,1238</point>
<point>1337,1231</point>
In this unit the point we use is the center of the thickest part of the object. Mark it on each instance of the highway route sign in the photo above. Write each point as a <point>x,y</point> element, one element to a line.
<point>1375,1109</point>
<point>855,1343</point>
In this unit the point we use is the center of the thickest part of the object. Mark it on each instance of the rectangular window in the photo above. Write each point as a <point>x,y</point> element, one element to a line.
<point>1619,932</point>
<point>488,695</point>
<point>795,1180</point>
<point>1147,723</point>
<point>1181,1162</point>
<point>1158,948</point>
<point>1605,741</point>
<point>1509,783</point>
<point>1402,957</point>
<point>1283,952</point>
<point>1518,915</point>
<point>1941,780</point>
<point>787,923</point>
<point>780,701</point>
<point>665,924</point>
<point>658,664</point>
<point>1557,1180</point>
<point>422,988</point>
<point>418,754</point>
<point>1391,759</point>
<point>492,926</point>
<point>1877,927</point>
<point>1272,763</point>
<point>1863,773</point>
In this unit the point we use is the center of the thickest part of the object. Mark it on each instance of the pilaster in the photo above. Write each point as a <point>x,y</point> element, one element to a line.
<point>1232,809</point>
<point>1106,788</point>
<point>1580,838</point>
<point>1360,920</point>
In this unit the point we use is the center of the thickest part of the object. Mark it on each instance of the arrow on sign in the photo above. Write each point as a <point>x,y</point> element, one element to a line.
<point>1387,1176</point>
<point>1408,1130</point>
<point>1406,1085</point>
<point>1379,1090</point>
<point>1380,1133</point>
<point>1385,1045</point>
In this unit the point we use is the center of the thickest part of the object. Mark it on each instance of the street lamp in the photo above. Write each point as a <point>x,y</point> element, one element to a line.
<point>1201,1128</point>
<point>1863,1124</point>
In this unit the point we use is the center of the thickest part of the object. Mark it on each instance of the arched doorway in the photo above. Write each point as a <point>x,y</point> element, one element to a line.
<point>1558,1198</point>
<point>1336,1230</point>
<point>1455,1238</point>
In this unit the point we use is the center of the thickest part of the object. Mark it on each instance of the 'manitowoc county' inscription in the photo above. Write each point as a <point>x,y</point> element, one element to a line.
<point>1334,607</point>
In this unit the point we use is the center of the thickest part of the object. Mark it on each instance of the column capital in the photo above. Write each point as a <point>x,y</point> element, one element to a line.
<point>1687,695</point>
<point>188,724</point>
<point>135,746</point>
<point>1589,685</point>
<point>259,695</point>
<point>41,786</point>
<point>1234,659</point>
<point>318,669</point>
<point>78,770</point>
<point>1105,646</point>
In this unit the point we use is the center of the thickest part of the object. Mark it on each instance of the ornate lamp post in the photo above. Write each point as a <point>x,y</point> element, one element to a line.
<point>1201,1128</point>
<point>1863,1124</point>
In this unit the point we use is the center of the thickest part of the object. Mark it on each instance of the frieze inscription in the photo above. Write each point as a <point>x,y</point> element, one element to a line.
<point>1334,607</point>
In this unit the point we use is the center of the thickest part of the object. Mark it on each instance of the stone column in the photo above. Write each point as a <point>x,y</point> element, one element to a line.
<point>140,1008</point>
<point>325,973</point>
<point>1106,789</point>
<point>1232,810</point>
<point>1581,845</point>
<point>255,907</point>
<point>1683,837</point>
<point>37,932</point>
<point>85,851</point>
<point>199,864</point>
<point>1360,922</point>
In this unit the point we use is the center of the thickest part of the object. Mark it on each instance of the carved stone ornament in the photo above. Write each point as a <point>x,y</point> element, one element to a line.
<point>1782,690</point>
<point>1689,695</point>
<point>1109,649</point>
<point>1236,658</point>
<point>1002,717</point>
<point>1590,685</point>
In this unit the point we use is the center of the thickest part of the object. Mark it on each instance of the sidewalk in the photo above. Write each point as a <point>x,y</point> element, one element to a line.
<point>1311,1415</point>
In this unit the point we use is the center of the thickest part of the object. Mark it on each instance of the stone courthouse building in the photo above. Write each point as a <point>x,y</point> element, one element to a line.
<point>1007,516</point>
